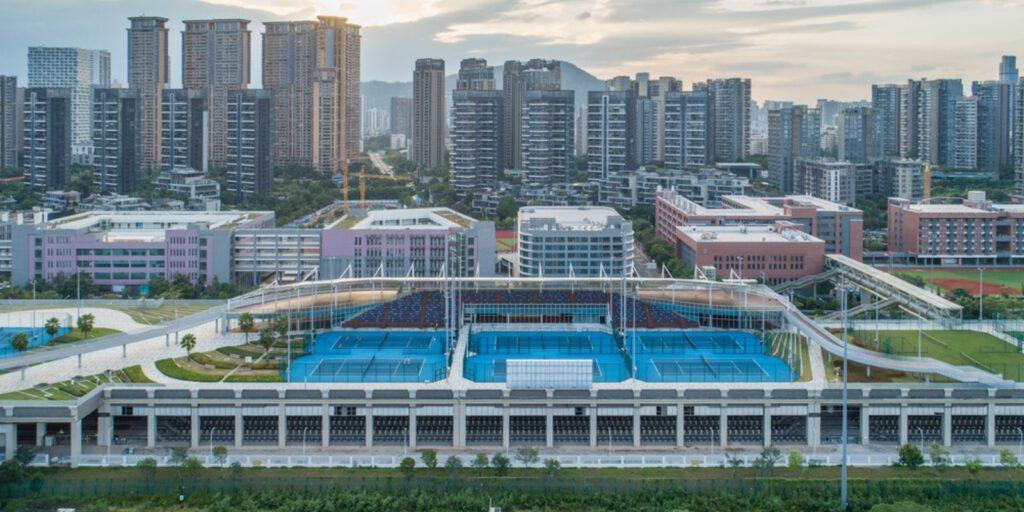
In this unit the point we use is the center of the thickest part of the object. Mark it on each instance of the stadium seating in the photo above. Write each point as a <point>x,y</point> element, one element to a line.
<point>173,429</point>
<point>483,430</point>
<point>572,430</point>
<point>617,428</point>
<point>883,429</point>
<point>259,430</point>
<point>348,430</point>
<point>789,429</point>
<point>968,429</point>
<point>392,430</point>
<point>221,428</point>
<point>308,426</point>
<point>658,430</point>
<point>1009,429</point>
<point>528,430</point>
<point>434,430</point>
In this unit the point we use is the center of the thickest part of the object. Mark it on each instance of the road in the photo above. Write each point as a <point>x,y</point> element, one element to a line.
<point>378,162</point>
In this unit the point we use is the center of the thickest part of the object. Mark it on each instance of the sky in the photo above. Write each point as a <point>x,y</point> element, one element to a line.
<point>794,50</point>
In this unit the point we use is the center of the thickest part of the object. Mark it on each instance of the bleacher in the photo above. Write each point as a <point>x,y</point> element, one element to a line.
<point>425,309</point>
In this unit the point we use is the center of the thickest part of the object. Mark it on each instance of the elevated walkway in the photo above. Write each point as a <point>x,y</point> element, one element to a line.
<point>914,299</point>
<point>863,308</point>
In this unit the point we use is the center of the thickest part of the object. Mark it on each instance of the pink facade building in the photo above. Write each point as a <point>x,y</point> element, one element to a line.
<point>840,227</point>
<point>776,252</point>
<point>974,232</point>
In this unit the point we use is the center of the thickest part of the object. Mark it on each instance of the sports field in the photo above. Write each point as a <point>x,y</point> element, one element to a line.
<point>956,347</point>
<point>997,281</point>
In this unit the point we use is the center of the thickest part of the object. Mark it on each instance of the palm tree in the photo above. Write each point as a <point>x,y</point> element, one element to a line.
<point>246,324</point>
<point>266,338</point>
<point>86,323</point>
<point>20,342</point>
<point>52,326</point>
<point>281,326</point>
<point>188,342</point>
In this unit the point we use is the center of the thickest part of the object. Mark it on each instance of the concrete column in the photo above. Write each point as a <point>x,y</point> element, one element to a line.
<point>412,427</point>
<point>506,428</point>
<point>76,442</point>
<point>103,433</point>
<point>636,427</point>
<point>990,425</point>
<point>369,427</point>
<point>10,433</point>
<point>814,425</point>
<point>150,430</point>
<point>723,428</point>
<point>40,433</point>
<point>195,427</point>
<point>549,428</point>
<point>325,426</point>
<point>593,426</point>
<point>903,426</point>
<point>282,426</point>
<point>167,341</point>
<point>239,427</point>
<point>865,425</point>
<point>947,425</point>
<point>459,425</point>
<point>680,426</point>
<point>766,426</point>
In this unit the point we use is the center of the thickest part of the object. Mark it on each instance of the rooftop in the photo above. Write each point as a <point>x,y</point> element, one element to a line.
<point>570,218</point>
<point>150,225</point>
<point>410,218</point>
<point>745,234</point>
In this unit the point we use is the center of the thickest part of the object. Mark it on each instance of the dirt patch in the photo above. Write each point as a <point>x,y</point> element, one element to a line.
<point>972,286</point>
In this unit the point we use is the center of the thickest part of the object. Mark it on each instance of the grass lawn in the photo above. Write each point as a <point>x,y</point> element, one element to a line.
<point>161,314</point>
<point>69,390</point>
<point>1000,277</point>
<point>792,349</point>
<point>75,335</point>
<point>956,347</point>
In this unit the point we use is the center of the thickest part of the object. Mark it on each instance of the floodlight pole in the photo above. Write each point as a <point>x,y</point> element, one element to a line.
<point>846,346</point>
<point>981,294</point>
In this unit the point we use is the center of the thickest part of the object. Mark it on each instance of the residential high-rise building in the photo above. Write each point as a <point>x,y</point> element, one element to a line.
<point>47,138</point>
<point>476,132</point>
<point>909,122</point>
<point>519,77</point>
<point>149,72</point>
<point>885,120</point>
<point>1018,138</point>
<point>312,70</point>
<point>611,133</point>
<point>855,135</point>
<point>250,142</point>
<point>216,58</point>
<point>184,126</point>
<point>898,177</point>
<point>965,141</point>
<point>428,113</point>
<point>602,242</point>
<point>80,71</point>
<point>116,119</point>
<point>581,132</point>
<point>729,119</point>
<point>376,121</point>
<point>994,143</point>
<point>794,132</point>
<point>401,116</point>
<point>658,92</point>
<point>646,124</point>
<point>826,179</point>
<point>547,137</point>
<point>686,130</point>
<point>1009,75</point>
<point>937,119</point>
<point>9,122</point>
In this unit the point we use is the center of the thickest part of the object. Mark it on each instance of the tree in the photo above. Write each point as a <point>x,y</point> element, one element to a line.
<point>796,460</point>
<point>11,472</point>
<point>938,454</point>
<point>190,468</point>
<point>501,464</point>
<point>769,457</point>
<point>235,473</point>
<point>24,455</point>
<point>902,506</point>
<point>147,467</point>
<point>281,326</point>
<point>220,454</point>
<point>246,324</point>
<point>480,461</point>
<point>527,456</point>
<point>508,208</point>
<point>1008,459</point>
<point>973,465</point>
<point>407,467</point>
<point>266,339</point>
<point>429,458</point>
<point>86,323</point>
<point>19,342</point>
<point>910,457</point>
<point>551,467</point>
<point>52,326</point>
<point>178,456</point>
<point>188,342</point>
<point>453,465</point>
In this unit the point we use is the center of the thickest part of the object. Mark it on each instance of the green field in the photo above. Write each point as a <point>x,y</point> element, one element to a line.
<point>75,335</point>
<point>1009,278</point>
<point>968,348</point>
<point>69,390</point>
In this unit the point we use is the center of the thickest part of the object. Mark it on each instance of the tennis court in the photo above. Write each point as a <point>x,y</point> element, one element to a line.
<point>489,352</point>
<point>37,337</point>
<point>358,355</point>
<point>659,342</point>
<point>714,368</point>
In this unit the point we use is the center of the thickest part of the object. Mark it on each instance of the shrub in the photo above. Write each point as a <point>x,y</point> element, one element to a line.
<point>220,454</point>
<point>480,461</point>
<point>910,457</point>
<point>407,467</point>
<point>552,466</point>
<point>178,456</point>
<point>147,467</point>
<point>453,465</point>
<point>190,468</point>
<point>973,465</point>
<point>769,457</point>
<point>938,454</point>
<point>1008,459</point>
<point>796,460</point>
<point>501,464</point>
<point>429,458</point>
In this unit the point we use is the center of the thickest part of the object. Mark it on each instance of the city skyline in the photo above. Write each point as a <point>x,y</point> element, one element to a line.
<point>797,51</point>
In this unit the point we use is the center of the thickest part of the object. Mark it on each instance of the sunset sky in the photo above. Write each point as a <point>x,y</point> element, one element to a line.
<point>792,49</point>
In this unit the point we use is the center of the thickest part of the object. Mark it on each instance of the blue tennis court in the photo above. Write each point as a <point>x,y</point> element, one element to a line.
<point>661,342</point>
<point>705,356</point>
<point>490,351</point>
<point>357,355</point>
<point>37,337</point>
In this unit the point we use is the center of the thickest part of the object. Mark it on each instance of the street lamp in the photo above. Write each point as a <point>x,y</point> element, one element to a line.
<point>212,431</point>
<point>304,441</point>
<point>844,288</point>
<point>981,293</point>
<point>110,439</point>
<point>1020,448</point>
